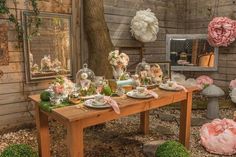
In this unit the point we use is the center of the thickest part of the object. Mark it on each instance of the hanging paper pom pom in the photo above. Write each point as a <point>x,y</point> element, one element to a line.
<point>144,26</point>
<point>221,31</point>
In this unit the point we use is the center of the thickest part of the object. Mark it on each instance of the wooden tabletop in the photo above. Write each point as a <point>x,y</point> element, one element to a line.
<point>73,113</point>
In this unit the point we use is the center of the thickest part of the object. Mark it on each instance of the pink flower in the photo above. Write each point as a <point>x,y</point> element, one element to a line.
<point>219,136</point>
<point>58,89</point>
<point>203,81</point>
<point>221,31</point>
<point>232,84</point>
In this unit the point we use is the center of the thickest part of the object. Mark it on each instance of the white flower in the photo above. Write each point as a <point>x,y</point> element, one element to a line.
<point>144,26</point>
<point>84,76</point>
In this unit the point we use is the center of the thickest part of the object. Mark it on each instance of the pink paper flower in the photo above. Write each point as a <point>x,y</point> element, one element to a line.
<point>204,81</point>
<point>219,136</point>
<point>232,84</point>
<point>221,31</point>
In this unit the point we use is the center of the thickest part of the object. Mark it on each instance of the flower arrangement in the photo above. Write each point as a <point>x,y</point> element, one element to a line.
<point>149,74</point>
<point>221,31</point>
<point>46,63</point>
<point>204,81</point>
<point>144,26</point>
<point>60,89</point>
<point>119,62</point>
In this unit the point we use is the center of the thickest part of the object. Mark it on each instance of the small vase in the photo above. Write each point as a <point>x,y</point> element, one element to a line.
<point>118,72</point>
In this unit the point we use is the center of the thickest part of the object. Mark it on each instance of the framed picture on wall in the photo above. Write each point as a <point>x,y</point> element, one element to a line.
<point>166,69</point>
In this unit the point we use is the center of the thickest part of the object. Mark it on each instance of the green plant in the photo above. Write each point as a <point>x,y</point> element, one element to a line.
<point>172,149</point>
<point>19,150</point>
<point>13,17</point>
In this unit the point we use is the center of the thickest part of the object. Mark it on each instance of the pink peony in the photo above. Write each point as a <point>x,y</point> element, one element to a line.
<point>232,84</point>
<point>203,81</point>
<point>219,136</point>
<point>58,89</point>
<point>221,31</point>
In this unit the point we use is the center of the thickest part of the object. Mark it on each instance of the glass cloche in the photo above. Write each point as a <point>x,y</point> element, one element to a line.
<point>84,74</point>
<point>142,66</point>
<point>148,74</point>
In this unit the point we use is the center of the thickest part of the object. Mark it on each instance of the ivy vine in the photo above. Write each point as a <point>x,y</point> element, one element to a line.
<point>13,17</point>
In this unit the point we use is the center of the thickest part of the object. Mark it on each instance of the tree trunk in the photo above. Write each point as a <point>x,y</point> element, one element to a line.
<point>99,41</point>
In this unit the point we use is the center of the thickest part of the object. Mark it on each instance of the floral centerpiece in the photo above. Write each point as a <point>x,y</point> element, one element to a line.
<point>148,74</point>
<point>119,62</point>
<point>60,89</point>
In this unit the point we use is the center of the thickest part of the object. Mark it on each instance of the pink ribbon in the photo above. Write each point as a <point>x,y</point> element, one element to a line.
<point>152,93</point>
<point>113,104</point>
<point>180,86</point>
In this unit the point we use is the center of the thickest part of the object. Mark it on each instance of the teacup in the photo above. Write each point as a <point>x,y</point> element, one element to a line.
<point>170,83</point>
<point>99,99</point>
<point>141,90</point>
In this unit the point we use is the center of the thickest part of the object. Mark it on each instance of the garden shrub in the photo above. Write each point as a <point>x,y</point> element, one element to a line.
<point>19,150</point>
<point>172,149</point>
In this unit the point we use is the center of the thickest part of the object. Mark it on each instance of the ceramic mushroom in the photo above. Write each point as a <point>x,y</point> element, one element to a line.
<point>213,92</point>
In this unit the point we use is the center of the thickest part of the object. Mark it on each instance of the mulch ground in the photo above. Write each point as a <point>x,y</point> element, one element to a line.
<point>118,138</point>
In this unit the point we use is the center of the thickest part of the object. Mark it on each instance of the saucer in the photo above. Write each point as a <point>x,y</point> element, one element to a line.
<point>95,104</point>
<point>167,87</point>
<point>134,94</point>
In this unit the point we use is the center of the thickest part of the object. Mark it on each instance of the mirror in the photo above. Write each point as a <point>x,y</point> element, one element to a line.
<point>191,52</point>
<point>49,52</point>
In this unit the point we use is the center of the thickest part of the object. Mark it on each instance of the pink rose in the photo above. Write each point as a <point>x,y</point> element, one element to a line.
<point>232,84</point>
<point>203,81</point>
<point>58,89</point>
<point>221,31</point>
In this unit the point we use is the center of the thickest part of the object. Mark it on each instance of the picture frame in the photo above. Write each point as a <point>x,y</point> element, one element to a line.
<point>166,69</point>
<point>50,53</point>
<point>4,54</point>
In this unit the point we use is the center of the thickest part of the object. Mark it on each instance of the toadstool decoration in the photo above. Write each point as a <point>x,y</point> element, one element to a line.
<point>213,92</point>
<point>144,26</point>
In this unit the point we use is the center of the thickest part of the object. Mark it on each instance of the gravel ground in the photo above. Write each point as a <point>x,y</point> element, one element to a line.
<point>118,138</point>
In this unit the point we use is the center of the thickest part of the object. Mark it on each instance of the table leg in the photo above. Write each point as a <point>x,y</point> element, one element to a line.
<point>75,140</point>
<point>43,133</point>
<point>144,122</point>
<point>185,121</point>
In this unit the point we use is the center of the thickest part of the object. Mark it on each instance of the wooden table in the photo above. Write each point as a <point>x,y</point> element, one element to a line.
<point>75,119</point>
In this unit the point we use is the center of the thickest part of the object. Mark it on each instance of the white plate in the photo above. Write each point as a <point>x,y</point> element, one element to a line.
<point>150,86</point>
<point>166,87</point>
<point>133,94</point>
<point>92,103</point>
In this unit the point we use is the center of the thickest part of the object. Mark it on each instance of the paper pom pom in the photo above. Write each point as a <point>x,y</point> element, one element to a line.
<point>144,26</point>
<point>221,31</point>
<point>219,136</point>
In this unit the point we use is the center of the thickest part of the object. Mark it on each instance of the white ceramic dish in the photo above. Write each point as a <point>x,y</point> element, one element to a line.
<point>167,87</point>
<point>93,104</point>
<point>134,94</point>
